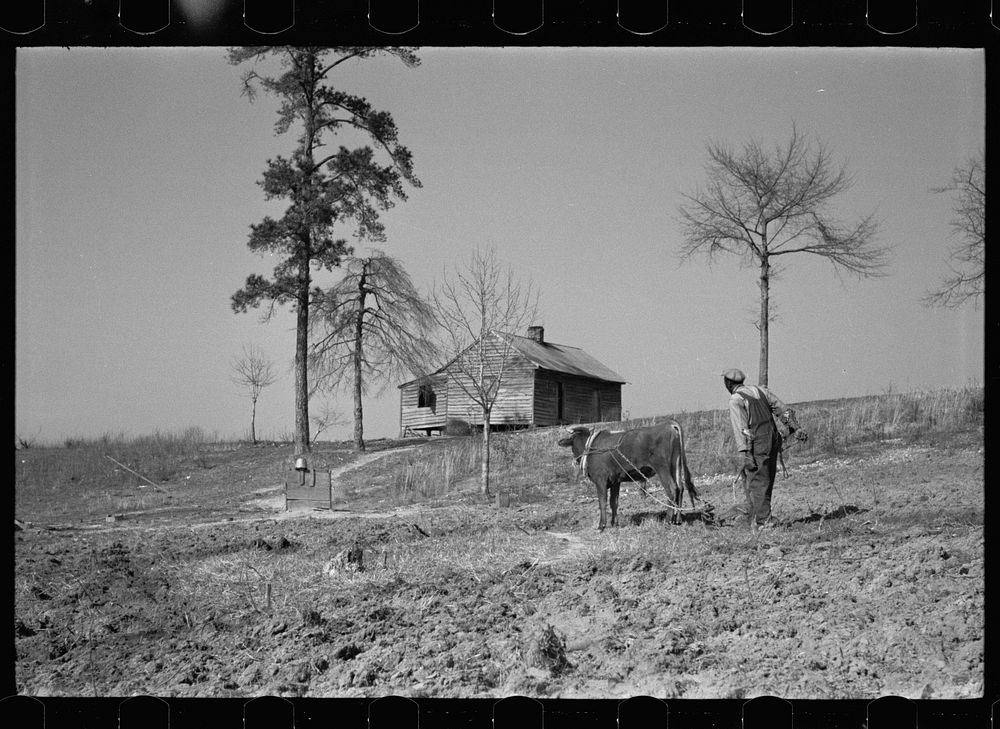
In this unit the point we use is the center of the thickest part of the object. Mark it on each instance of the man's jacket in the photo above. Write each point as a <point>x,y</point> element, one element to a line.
<point>752,409</point>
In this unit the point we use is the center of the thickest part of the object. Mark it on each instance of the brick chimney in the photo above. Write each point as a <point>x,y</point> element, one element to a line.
<point>537,334</point>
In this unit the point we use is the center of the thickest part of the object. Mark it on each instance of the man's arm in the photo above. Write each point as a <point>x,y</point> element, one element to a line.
<point>738,418</point>
<point>784,413</point>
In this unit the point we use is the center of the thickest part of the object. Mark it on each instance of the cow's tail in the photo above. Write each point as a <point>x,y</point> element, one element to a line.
<point>682,477</point>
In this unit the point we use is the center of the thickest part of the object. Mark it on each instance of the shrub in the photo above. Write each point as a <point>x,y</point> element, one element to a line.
<point>457,427</point>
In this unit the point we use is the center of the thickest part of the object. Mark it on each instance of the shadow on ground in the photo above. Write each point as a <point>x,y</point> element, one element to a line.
<point>664,516</point>
<point>839,513</point>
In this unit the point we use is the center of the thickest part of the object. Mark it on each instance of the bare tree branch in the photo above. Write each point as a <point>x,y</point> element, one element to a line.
<point>758,204</point>
<point>967,257</point>
<point>371,326</point>
<point>252,372</point>
<point>326,418</point>
<point>477,308</point>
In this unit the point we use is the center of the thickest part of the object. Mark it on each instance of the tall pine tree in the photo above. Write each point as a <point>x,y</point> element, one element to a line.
<point>325,189</point>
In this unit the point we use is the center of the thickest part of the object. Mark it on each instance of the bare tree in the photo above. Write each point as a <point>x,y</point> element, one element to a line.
<point>371,326</point>
<point>759,204</point>
<point>252,372</point>
<point>478,308</point>
<point>323,418</point>
<point>968,279</point>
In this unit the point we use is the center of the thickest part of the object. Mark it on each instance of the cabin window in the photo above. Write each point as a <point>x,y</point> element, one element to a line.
<point>560,403</point>
<point>426,397</point>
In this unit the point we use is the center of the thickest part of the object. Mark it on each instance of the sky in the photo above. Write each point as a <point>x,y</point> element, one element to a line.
<point>136,184</point>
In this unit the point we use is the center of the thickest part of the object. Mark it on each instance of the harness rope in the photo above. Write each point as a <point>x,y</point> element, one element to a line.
<point>708,506</point>
<point>616,453</point>
<point>586,451</point>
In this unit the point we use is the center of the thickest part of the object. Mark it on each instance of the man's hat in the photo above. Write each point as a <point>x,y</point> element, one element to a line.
<point>734,375</point>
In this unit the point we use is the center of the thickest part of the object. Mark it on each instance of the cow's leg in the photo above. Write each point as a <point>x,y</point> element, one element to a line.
<point>602,498</point>
<point>614,503</point>
<point>692,491</point>
<point>678,490</point>
<point>687,484</point>
<point>673,490</point>
<point>678,501</point>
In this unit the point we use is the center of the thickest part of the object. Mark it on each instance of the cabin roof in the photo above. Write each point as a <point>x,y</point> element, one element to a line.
<point>563,358</point>
<point>553,357</point>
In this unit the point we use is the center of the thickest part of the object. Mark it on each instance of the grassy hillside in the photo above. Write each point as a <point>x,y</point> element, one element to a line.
<point>118,473</point>
<point>838,426</point>
<point>530,459</point>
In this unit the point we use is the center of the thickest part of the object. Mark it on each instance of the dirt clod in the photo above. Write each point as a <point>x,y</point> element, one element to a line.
<point>548,651</point>
<point>347,652</point>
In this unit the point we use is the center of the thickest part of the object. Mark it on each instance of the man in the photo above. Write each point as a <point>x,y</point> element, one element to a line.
<point>752,410</point>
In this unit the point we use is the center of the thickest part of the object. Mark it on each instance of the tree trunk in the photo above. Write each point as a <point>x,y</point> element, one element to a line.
<point>253,420</point>
<point>485,476</point>
<point>765,281</point>
<point>359,433</point>
<point>302,439</point>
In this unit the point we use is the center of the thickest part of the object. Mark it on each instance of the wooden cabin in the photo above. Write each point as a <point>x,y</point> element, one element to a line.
<point>542,384</point>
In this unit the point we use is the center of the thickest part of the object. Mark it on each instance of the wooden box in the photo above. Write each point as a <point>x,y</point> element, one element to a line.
<point>309,489</point>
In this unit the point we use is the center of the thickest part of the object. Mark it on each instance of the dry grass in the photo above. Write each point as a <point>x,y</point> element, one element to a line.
<point>186,470</point>
<point>293,584</point>
<point>836,426</point>
<point>526,460</point>
<point>449,468</point>
<point>108,474</point>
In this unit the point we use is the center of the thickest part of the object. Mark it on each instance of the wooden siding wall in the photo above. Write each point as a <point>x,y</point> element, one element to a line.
<point>514,404</point>
<point>417,418</point>
<point>584,400</point>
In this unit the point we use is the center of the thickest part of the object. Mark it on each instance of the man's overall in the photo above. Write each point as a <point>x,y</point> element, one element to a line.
<point>764,445</point>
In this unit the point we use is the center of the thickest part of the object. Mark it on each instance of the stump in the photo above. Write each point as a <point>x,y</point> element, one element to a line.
<point>348,560</point>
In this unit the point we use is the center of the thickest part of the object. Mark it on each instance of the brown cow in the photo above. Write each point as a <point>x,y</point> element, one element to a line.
<point>607,458</point>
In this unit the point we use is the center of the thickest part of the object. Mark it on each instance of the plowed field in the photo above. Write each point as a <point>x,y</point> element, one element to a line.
<point>874,586</point>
